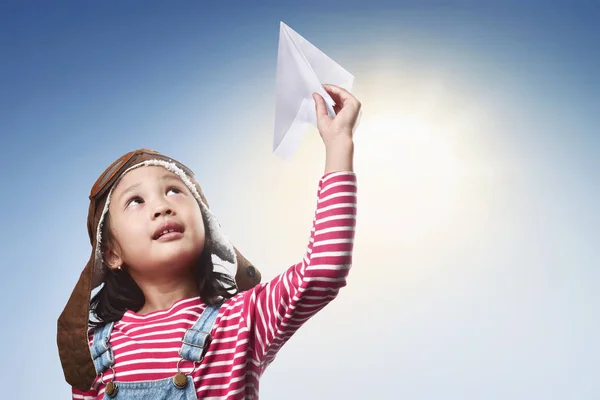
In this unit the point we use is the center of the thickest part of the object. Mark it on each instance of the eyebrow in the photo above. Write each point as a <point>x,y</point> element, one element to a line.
<point>128,190</point>
<point>170,177</point>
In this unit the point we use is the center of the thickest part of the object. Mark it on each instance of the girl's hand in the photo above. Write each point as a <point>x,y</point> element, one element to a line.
<point>339,128</point>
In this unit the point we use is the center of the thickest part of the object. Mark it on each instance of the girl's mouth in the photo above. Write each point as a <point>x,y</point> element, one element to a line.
<point>168,230</point>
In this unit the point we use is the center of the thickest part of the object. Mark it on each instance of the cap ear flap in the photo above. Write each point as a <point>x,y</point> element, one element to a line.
<point>199,189</point>
<point>247,275</point>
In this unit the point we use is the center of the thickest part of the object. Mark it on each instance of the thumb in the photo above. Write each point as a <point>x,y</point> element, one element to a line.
<point>320,107</point>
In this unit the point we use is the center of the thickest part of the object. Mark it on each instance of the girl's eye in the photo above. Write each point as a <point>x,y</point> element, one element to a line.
<point>134,201</point>
<point>174,190</point>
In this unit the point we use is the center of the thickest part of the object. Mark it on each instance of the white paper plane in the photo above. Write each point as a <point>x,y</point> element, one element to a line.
<point>301,71</point>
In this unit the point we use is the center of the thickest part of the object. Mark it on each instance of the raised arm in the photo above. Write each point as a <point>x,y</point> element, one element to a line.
<point>278,308</point>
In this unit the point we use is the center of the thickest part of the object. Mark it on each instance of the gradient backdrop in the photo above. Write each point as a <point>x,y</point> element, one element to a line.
<point>476,272</point>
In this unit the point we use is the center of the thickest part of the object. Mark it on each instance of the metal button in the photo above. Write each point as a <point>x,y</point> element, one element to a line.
<point>111,389</point>
<point>180,380</point>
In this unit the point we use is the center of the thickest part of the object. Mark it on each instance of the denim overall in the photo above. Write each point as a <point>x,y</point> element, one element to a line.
<point>193,344</point>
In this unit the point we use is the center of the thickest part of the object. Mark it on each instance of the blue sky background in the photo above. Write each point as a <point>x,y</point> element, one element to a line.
<point>476,272</point>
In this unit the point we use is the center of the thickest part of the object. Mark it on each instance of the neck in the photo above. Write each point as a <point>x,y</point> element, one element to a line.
<point>162,293</point>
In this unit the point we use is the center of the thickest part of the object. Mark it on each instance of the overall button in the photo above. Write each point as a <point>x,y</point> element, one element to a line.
<point>111,389</point>
<point>180,380</point>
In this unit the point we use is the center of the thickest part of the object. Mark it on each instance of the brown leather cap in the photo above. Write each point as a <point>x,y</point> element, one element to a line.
<point>72,326</point>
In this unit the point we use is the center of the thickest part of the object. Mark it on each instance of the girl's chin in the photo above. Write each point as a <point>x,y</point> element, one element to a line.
<point>166,264</point>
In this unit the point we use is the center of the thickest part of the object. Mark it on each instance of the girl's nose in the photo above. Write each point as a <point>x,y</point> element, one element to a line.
<point>162,210</point>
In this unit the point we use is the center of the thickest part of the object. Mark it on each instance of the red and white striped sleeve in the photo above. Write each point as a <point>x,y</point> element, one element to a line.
<point>276,309</point>
<point>89,395</point>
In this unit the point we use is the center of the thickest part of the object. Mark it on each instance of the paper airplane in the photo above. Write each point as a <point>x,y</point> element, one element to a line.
<point>301,71</point>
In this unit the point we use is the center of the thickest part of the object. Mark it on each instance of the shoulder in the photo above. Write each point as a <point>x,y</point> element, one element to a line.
<point>99,331</point>
<point>237,306</point>
<point>231,304</point>
<point>243,297</point>
<point>242,301</point>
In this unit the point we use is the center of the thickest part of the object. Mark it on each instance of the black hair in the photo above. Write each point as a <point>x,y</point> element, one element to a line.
<point>120,292</point>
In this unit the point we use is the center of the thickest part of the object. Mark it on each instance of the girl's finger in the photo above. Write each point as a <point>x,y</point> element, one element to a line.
<point>337,92</point>
<point>320,106</point>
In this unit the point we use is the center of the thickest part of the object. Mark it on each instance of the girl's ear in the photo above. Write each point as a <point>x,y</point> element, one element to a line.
<point>112,257</point>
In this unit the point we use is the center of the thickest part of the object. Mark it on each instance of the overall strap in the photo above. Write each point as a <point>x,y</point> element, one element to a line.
<point>197,338</point>
<point>102,353</point>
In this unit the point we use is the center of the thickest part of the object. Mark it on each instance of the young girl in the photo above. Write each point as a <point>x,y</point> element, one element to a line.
<point>169,320</point>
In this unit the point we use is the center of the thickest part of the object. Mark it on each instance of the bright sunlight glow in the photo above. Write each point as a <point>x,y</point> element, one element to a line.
<point>420,166</point>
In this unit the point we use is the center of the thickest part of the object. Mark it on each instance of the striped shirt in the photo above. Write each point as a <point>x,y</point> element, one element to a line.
<point>252,326</point>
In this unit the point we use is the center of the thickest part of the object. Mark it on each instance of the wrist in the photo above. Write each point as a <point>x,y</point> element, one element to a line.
<point>339,143</point>
<point>339,154</point>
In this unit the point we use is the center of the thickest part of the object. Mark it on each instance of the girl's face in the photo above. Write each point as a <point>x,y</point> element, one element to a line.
<point>156,224</point>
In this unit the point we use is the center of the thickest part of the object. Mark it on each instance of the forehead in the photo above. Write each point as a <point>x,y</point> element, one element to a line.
<point>142,175</point>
